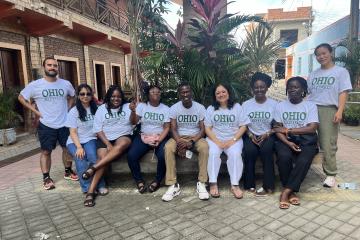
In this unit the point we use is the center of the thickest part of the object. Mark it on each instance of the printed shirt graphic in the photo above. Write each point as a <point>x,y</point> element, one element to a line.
<point>296,115</point>
<point>226,122</point>
<point>115,125</point>
<point>84,128</point>
<point>51,100</point>
<point>260,115</point>
<point>152,118</point>
<point>187,119</point>
<point>325,85</point>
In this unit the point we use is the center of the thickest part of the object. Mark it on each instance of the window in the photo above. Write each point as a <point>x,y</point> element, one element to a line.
<point>311,63</point>
<point>299,66</point>
<point>288,37</point>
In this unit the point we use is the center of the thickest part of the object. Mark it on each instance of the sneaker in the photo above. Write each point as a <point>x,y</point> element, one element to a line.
<point>71,176</point>
<point>329,182</point>
<point>201,190</point>
<point>48,184</point>
<point>173,191</point>
<point>262,192</point>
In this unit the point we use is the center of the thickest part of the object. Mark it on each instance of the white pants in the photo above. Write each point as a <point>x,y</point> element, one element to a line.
<point>234,161</point>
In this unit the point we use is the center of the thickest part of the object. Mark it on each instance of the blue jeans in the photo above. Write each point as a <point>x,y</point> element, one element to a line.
<point>82,164</point>
<point>139,149</point>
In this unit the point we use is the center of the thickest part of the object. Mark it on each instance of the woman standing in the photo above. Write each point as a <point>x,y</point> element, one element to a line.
<point>82,141</point>
<point>113,127</point>
<point>328,87</point>
<point>296,124</point>
<point>259,140</point>
<point>155,125</point>
<point>225,123</point>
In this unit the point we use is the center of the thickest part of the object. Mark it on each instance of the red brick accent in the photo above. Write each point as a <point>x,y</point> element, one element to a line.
<point>279,14</point>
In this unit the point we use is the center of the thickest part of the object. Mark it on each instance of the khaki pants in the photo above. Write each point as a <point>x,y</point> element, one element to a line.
<point>201,147</point>
<point>328,135</point>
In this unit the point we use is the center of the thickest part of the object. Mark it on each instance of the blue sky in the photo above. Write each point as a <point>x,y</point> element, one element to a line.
<point>325,11</point>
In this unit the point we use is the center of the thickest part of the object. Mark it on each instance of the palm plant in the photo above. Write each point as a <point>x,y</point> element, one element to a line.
<point>260,49</point>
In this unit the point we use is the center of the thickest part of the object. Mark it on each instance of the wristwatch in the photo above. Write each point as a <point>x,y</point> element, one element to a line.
<point>234,139</point>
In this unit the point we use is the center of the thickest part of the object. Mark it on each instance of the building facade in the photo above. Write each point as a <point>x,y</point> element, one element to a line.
<point>89,38</point>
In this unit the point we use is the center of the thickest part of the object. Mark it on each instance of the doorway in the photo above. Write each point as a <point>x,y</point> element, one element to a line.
<point>100,81</point>
<point>116,78</point>
<point>68,71</point>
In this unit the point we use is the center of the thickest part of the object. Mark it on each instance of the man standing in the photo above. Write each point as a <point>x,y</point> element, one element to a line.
<point>187,128</point>
<point>53,97</point>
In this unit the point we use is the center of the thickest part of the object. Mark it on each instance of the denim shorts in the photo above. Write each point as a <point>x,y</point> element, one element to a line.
<point>48,137</point>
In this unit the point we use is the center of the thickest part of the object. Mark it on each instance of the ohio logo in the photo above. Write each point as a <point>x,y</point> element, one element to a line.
<point>154,116</point>
<point>294,116</point>
<point>259,115</point>
<point>187,118</point>
<point>224,118</point>
<point>323,81</point>
<point>52,93</point>
<point>89,117</point>
<point>115,115</point>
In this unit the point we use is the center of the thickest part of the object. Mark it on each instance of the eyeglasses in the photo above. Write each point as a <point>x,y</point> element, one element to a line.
<point>85,94</point>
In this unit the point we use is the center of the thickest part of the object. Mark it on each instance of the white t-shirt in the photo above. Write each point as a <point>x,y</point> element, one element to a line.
<point>187,119</point>
<point>325,85</point>
<point>51,100</point>
<point>260,115</point>
<point>115,125</point>
<point>226,122</point>
<point>152,118</point>
<point>296,115</point>
<point>84,128</point>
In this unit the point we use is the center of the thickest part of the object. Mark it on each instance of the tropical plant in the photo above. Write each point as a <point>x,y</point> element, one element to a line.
<point>352,114</point>
<point>260,49</point>
<point>351,59</point>
<point>9,118</point>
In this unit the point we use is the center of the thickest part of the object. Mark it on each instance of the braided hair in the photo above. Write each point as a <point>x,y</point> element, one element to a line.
<point>107,99</point>
<point>80,107</point>
<point>303,84</point>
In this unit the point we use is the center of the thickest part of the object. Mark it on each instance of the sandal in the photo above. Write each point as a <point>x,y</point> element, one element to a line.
<point>89,172</point>
<point>214,190</point>
<point>141,187</point>
<point>236,191</point>
<point>154,186</point>
<point>89,200</point>
<point>103,191</point>
<point>294,200</point>
<point>284,204</point>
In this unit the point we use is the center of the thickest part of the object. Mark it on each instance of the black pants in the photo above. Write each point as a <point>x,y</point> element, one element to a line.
<point>251,151</point>
<point>293,166</point>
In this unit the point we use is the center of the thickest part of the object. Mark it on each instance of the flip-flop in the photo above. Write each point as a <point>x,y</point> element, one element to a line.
<point>237,196</point>
<point>103,191</point>
<point>217,194</point>
<point>284,205</point>
<point>294,200</point>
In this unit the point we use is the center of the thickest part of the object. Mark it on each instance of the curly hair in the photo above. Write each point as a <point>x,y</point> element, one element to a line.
<point>80,107</point>
<point>230,102</point>
<point>262,77</point>
<point>109,93</point>
<point>303,84</point>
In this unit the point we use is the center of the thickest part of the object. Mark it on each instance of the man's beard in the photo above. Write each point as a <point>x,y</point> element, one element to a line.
<point>51,73</point>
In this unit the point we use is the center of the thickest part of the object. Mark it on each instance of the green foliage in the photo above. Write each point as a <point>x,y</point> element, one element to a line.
<point>352,114</point>
<point>8,116</point>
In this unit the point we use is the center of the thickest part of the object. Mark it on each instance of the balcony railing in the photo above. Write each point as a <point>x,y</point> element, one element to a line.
<point>101,11</point>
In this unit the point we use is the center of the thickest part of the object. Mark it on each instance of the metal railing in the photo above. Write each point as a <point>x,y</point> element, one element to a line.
<point>100,11</point>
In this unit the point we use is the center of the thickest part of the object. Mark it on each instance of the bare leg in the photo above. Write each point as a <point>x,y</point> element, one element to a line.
<point>45,161</point>
<point>66,157</point>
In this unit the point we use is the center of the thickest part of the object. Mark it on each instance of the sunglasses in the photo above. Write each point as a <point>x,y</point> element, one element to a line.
<point>85,94</point>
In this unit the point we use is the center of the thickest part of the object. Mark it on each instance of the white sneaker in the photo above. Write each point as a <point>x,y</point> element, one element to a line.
<point>173,191</point>
<point>329,182</point>
<point>201,190</point>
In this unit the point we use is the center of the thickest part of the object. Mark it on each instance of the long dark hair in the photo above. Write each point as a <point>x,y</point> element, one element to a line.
<point>230,102</point>
<point>80,107</point>
<point>109,93</point>
<point>303,84</point>
<point>147,91</point>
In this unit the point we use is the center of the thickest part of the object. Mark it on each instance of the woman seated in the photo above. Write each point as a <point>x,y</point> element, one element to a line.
<point>155,125</point>
<point>82,141</point>
<point>113,126</point>
<point>296,124</point>
<point>225,123</point>
<point>259,140</point>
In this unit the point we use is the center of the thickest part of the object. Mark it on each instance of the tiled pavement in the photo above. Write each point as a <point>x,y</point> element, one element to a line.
<point>27,211</point>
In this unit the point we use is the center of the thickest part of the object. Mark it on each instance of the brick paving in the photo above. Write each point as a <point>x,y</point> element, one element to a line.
<point>27,211</point>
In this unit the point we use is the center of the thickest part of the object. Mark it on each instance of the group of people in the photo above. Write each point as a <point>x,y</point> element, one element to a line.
<point>96,135</point>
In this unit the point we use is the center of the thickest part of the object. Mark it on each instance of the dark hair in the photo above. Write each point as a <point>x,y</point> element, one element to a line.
<point>230,102</point>
<point>109,93</point>
<point>80,107</point>
<point>302,82</point>
<point>147,91</point>
<point>48,58</point>
<point>324,45</point>
<point>262,77</point>
<point>183,84</point>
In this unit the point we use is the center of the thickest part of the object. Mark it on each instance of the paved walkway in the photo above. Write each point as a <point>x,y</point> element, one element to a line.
<point>29,212</point>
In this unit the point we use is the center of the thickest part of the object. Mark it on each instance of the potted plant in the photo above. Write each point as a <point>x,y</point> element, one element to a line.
<point>9,118</point>
<point>352,115</point>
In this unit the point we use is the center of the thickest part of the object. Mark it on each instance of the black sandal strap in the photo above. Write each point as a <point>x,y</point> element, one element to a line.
<point>141,187</point>
<point>89,200</point>
<point>154,185</point>
<point>87,174</point>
